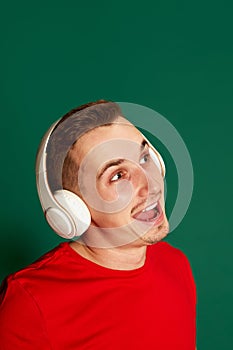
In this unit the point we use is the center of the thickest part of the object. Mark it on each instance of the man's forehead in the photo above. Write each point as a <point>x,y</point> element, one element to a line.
<point>108,138</point>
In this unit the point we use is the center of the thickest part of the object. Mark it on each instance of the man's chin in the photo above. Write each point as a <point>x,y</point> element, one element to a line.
<point>156,234</point>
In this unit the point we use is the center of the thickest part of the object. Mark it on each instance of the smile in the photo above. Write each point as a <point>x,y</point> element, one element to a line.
<point>152,213</point>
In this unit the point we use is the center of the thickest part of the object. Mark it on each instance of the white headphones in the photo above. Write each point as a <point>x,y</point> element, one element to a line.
<point>66,213</point>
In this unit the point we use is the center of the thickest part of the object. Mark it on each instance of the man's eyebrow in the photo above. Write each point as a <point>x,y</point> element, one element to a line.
<point>144,143</point>
<point>119,161</point>
<point>110,164</point>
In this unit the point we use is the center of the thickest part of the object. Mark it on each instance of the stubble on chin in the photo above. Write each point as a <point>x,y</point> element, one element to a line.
<point>155,235</point>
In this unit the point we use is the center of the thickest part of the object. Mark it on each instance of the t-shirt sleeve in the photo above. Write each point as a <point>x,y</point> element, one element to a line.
<point>190,281</point>
<point>21,322</point>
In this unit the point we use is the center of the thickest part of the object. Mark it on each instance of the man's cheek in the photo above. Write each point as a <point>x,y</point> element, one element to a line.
<point>106,191</point>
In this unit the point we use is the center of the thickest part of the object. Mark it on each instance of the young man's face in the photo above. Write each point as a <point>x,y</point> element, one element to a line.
<point>120,183</point>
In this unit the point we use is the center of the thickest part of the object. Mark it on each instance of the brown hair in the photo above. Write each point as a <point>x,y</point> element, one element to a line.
<point>62,170</point>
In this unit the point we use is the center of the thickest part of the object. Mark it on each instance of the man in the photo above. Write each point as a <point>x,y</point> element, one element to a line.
<point>117,286</point>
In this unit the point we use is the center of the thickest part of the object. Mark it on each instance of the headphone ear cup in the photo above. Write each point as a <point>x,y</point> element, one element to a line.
<point>72,218</point>
<point>158,160</point>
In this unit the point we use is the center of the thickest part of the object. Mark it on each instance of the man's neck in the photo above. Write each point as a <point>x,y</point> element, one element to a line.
<point>117,258</point>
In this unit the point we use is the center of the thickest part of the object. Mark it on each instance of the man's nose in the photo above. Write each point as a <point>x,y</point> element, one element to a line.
<point>145,184</point>
<point>141,184</point>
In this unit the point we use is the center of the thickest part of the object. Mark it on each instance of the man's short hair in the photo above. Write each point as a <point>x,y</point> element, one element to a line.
<point>62,170</point>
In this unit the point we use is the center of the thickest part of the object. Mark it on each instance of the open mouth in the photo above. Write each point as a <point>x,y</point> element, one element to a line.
<point>152,213</point>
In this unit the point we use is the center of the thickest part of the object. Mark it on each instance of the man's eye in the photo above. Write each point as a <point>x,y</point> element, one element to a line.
<point>144,159</point>
<point>116,177</point>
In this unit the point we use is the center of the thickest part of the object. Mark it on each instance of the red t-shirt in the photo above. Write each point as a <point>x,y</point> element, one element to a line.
<point>66,302</point>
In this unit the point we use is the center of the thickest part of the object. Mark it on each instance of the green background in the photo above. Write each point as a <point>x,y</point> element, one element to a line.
<point>172,56</point>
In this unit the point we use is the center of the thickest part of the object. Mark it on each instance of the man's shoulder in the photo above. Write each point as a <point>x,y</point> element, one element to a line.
<point>164,246</point>
<point>165,251</point>
<point>42,267</point>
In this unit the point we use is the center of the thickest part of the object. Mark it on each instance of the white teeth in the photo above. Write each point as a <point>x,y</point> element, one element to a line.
<point>152,206</point>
